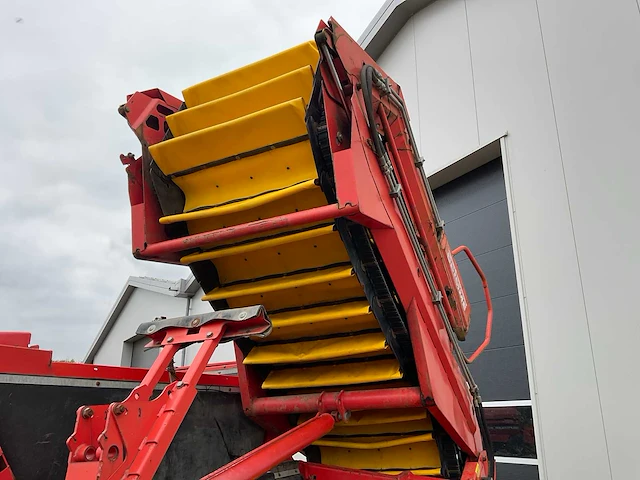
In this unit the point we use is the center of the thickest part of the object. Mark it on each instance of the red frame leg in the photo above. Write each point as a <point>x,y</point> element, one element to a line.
<point>128,440</point>
<point>5,469</point>
<point>267,456</point>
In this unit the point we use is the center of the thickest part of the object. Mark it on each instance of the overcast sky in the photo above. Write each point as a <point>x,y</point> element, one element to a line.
<point>65,66</point>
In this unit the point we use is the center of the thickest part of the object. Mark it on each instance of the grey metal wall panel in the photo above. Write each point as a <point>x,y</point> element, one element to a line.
<point>506,471</point>
<point>501,374</point>
<point>498,268</point>
<point>593,63</point>
<point>483,231</point>
<point>485,187</point>
<point>507,331</point>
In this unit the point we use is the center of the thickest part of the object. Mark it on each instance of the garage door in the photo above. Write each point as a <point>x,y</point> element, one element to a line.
<point>474,208</point>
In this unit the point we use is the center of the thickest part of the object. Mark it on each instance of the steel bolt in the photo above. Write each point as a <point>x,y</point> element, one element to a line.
<point>195,322</point>
<point>242,315</point>
<point>180,384</point>
<point>209,334</point>
<point>151,329</point>
<point>339,138</point>
<point>119,409</point>
<point>170,339</point>
<point>87,412</point>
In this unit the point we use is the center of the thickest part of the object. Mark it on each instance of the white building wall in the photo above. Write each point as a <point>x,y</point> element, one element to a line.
<point>562,79</point>
<point>142,306</point>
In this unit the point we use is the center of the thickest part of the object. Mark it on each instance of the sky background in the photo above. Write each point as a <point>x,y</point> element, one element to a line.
<point>65,67</point>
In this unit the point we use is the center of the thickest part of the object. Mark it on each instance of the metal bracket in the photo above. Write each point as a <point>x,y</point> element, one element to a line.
<point>239,322</point>
<point>132,436</point>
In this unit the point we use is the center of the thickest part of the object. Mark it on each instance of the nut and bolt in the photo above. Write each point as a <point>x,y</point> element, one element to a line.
<point>195,322</point>
<point>242,315</point>
<point>209,334</point>
<point>339,138</point>
<point>180,384</point>
<point>170,339</point>
<point>151,329</point>
<point>87,412</point>
<point>119,409</point>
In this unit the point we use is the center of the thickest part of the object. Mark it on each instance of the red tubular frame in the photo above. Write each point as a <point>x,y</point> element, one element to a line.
<point>267,456</point>
<point>385,398</point>
<point>487,297</point>
<point>317,214</point>
<point>128,439</point>
<point>5,468</point>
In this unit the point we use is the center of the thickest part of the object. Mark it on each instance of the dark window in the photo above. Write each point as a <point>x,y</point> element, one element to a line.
<point>511,431</point>
<point>508,471</point>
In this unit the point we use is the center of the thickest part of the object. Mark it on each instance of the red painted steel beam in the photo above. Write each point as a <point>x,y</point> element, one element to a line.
<point>15,339</point>
<point>5,468</point>
<point>294,219</point>
<point>16,360</point>
<point>267,456</point>
<point>385,398</point>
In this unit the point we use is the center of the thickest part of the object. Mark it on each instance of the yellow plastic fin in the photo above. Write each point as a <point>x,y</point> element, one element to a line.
<point>307,288</point>
<point>419,455</point>
<point>368,344</point>
<point>245,77</point>
<point>291,85</point>
<point>413,426</point>
<point>334,375</point>
<point>426,472</point>
<point>240,206</point>
<point>259,245</point>
<point>302,201</point>
<point>271,125</point>
<point>372,443</point>
<point>309,249</point>
<point>314,322</point>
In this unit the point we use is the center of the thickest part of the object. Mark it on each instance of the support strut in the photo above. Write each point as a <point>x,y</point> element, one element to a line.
<point>267,456</point>
<point>128,439</point>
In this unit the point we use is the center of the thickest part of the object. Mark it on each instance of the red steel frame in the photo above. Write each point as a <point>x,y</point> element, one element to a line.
<point>5,468</point>
<point>128,439</point>
<point>18,357</point>
<point>363,196</point>
<point>359,177</point>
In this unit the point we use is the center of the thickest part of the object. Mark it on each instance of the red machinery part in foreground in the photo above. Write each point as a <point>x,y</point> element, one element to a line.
<point>128,439</point>
<point>5,468</point>
<point>18,357</point>
<point>272,453</point>
<point>380,184</point>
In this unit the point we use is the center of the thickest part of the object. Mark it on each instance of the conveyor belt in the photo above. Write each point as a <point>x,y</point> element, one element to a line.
<point>241,151</point>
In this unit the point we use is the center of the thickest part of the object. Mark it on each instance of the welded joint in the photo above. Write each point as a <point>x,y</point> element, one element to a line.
<point>341,414</point>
